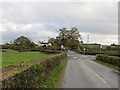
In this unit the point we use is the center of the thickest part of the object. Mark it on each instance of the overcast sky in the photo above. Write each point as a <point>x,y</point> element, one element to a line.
<point>38,20</point>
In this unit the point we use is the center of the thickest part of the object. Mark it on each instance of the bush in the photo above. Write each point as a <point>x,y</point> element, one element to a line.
<point>114,60</point>
<point>112,52</point>
<point>34,76</point>
<point>50,51</point>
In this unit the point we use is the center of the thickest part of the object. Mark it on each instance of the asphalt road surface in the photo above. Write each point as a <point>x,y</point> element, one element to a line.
<point>82,72</point>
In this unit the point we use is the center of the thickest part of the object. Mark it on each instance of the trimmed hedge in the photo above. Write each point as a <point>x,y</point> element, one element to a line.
<point>92,53</point>
<point>109,59</point>
<point>50,51</point>
<point>35,75</point>
<point>112,52</point>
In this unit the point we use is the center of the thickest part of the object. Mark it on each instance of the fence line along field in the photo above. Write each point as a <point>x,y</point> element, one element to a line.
<point>14,57</point>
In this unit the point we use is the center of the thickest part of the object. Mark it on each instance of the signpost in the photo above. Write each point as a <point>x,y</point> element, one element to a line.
<point>62,47</point>
<point>100,48</point>
<point>84,50</point>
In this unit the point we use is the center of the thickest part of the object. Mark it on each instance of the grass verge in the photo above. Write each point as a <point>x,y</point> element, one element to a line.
<point>108,65</point>
<point>54,76</point>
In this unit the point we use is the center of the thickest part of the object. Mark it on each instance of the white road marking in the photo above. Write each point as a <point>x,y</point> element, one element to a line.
<point>74,57</point>
<point>97,75</point>
<point>101,78</point>
<point>116,71</point>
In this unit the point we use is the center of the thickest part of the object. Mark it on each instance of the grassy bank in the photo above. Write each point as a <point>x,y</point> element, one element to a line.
<point>108,65</point>
<point>14,57</point>
<point>54,76</point>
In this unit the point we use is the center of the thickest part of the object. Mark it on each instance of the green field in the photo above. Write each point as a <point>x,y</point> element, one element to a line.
<point>14,57</point>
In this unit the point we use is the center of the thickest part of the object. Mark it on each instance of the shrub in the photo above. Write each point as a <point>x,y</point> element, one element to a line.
<point>114,60</point>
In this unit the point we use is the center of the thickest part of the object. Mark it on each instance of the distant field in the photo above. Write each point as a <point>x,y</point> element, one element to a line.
<point>14,57</point>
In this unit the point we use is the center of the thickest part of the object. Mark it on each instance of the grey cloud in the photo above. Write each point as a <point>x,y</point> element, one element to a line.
<point>95,18</point>
<point>36,33</point>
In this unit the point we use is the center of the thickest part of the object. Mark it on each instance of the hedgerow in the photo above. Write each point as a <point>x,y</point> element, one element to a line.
<point>114,60</point>
<point>35,75</point>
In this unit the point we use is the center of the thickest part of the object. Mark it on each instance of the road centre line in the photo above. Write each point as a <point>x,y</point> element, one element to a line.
<point>97,75</point>
<point>101,78</point>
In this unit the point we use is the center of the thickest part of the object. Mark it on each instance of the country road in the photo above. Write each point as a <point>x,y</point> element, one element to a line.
<point>82,72</point>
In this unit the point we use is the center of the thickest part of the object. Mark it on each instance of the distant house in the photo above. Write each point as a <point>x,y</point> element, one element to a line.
<point>44,44</point>
<point>105,46</point>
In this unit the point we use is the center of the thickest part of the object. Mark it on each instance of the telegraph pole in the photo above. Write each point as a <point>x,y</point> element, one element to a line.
<point>87,39</point>
<point>87,42</point>
<point>100,48</point>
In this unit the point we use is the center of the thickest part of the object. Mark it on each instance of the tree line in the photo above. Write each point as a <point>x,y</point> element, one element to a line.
<point>71,39</point>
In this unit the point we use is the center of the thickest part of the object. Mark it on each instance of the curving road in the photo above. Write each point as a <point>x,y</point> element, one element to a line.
<point>82,72</point>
